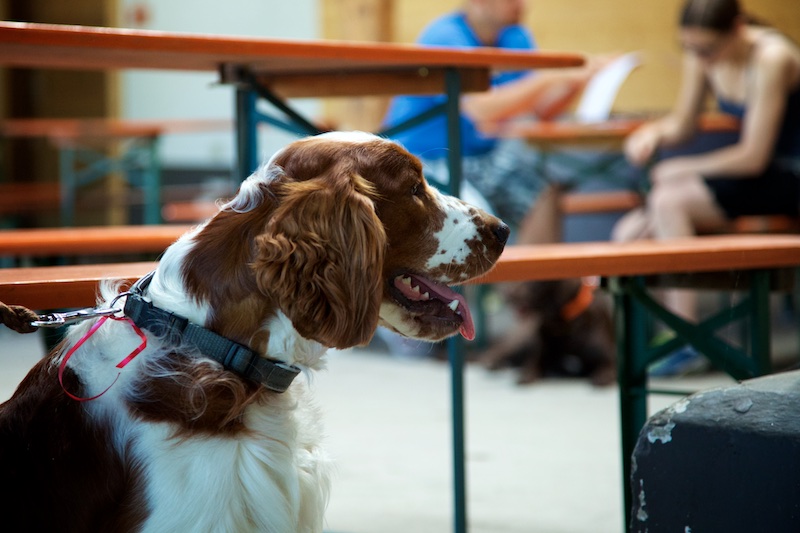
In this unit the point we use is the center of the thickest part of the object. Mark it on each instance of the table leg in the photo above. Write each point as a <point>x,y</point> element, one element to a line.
<point>246,134</point>
<point>68,184</point>
<point>455,344</point>
<point>760,330</point>
<point>152,183</point>
<point>631,334</point>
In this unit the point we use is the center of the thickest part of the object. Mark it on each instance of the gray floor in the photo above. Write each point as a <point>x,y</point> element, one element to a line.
<point>541,458</point>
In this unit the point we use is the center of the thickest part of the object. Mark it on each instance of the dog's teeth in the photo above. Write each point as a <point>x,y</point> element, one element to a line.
<point>406,281</point>
<point>426,296</point>
<point>415,289</point>
<point>453,305</point>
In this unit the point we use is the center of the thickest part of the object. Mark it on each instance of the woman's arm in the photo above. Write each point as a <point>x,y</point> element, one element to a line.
<point>766,104</point>
<point>544,93</point>
<point>679,125</point>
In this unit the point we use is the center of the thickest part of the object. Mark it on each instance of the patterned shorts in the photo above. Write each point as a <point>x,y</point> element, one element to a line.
<point>504,182</point>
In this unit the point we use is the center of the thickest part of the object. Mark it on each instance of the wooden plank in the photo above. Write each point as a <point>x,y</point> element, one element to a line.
<point>89,240</point>
<point>75,286</point>
<point>59,287</point>
<point>82,47</point>
<point>577,203</point>
<point>98,128</point>
<point>421,80</point>
<point>191,211</point>
<point>571,204</point>
<point>697,254</point>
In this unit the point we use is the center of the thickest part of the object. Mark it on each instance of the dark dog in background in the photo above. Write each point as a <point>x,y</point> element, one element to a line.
<point>563,328</point>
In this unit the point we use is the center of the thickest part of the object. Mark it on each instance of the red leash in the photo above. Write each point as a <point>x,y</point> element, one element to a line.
<point>120,365</point>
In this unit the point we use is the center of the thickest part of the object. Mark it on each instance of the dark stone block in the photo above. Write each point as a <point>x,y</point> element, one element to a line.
<point>724,460</point>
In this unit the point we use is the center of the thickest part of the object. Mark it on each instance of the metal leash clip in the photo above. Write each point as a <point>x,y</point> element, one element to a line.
<point>54,320</point>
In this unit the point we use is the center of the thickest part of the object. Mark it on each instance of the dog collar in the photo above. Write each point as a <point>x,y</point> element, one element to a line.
<point>274,375</point>
<point>581,302</point>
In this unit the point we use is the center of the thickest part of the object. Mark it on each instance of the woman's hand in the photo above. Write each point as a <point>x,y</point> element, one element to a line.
<point>641,145</point>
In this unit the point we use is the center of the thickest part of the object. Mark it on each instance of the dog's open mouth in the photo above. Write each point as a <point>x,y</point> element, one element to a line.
<point>433,301</point>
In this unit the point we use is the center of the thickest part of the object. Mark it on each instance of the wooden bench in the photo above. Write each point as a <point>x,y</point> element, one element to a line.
<point>95,240</point>
<point>84,157</point>
<point>624,200</point>
<point>755,261</point>
<point>571,204</point>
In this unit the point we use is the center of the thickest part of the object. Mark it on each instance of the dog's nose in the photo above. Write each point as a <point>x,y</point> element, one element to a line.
<point>501,232</point>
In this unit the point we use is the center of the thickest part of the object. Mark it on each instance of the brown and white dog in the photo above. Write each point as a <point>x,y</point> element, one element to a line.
<point>335,235</point>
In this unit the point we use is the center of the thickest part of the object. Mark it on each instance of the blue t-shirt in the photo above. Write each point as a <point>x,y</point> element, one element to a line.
<point>429,139</point>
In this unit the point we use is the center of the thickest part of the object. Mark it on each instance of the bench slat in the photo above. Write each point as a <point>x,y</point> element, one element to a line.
<point>64,286</point>
<point>76,286</point>
<point>698,254</point>
<point>89,240</point>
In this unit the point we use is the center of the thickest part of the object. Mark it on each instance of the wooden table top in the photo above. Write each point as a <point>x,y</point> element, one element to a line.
<point>84,47</point>
<point>290,67</point>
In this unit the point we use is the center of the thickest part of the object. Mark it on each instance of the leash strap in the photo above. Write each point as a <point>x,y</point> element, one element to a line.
<point>67,356</point>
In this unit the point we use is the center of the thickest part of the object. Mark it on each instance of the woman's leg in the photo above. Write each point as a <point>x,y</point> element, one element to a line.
<point>634,225</point>
<point>677,209</point>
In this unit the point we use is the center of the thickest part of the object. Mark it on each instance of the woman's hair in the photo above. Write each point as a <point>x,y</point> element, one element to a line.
<point>717,15</point>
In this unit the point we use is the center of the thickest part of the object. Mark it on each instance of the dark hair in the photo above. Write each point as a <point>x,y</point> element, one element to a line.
<point>717,15</point>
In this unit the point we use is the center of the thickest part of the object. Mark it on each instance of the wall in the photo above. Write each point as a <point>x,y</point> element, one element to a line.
<point>168,95</point>
<point>609,26</point>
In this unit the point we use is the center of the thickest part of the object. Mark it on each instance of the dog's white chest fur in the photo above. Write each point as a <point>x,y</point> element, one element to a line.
<point>274,479</point>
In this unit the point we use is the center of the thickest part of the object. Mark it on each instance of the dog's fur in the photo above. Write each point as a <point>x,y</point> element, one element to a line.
<point>543,342</point>
<point>328,240</point>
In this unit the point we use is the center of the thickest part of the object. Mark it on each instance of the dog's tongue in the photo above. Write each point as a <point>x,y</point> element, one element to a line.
<point>418,289</point>
<point>467,328</point>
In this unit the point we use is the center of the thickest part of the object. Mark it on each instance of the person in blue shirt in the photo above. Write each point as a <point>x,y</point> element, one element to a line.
<point>502,171</point>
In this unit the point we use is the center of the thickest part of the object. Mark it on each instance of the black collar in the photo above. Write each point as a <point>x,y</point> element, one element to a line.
<point>274,375</point>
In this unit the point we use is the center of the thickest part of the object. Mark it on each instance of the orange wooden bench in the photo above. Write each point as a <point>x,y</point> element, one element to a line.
<point>88,139</point>
<point>754,259</point>
<point>31,286</point>
<point>623,200</point>
<point>571,203</point>
<point>24,198</point>
<point>95,240</point>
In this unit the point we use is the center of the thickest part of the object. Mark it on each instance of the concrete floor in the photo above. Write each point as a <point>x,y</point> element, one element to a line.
<point>541,458</point>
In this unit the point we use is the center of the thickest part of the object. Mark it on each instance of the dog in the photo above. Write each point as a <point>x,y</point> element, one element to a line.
<point>206,427</point>
<point>562,329</point>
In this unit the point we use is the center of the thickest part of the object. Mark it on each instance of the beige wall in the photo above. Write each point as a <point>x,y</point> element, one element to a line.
<point>608,26</point>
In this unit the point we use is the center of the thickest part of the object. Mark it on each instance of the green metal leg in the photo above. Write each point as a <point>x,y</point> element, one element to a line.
<point>631,331</point>
<point>455,344</point>
<point>151,183</point>
<point>246,134</point>
<point>760,345</point>
<point>68,184</point>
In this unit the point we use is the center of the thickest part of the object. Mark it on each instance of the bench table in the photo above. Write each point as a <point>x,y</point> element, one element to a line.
<point>273,70</point>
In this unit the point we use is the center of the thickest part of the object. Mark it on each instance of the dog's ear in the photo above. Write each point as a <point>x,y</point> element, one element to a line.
<point>321,258</point>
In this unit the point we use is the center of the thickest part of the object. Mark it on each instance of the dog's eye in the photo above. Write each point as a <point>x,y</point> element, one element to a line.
<point>416,189</point>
